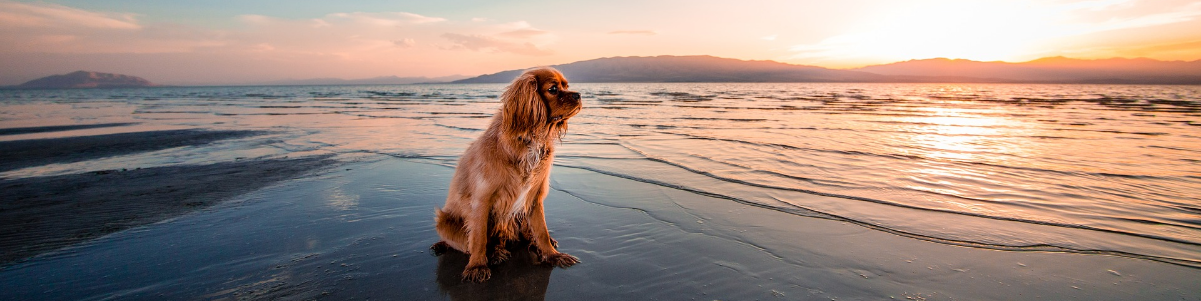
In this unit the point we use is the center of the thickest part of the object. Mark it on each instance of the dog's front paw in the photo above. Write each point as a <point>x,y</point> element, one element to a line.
<point>440,248</point>
<point>499,256</point>
<point>477,274</point>
<point>561,260</point>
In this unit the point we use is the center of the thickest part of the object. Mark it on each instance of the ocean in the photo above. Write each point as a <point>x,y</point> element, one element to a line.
<point>1095,169</point>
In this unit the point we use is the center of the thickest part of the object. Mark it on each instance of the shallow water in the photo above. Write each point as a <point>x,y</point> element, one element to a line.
<point>1105,169</point>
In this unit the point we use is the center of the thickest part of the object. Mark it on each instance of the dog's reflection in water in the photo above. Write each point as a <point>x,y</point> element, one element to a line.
<point>518,278</point>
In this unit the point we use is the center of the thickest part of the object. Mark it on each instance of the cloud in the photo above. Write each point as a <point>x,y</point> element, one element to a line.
<point>524,33</point>
<point>635,32</point>
<point>1180,14</point>
<point>477,19</point>
<point>405,43</point>
<point>386,19</point>
<point>17,14</point>
<point>517,37</point>
<point>490,44</point>
<point>51,28</point>
<point>771,37</point>
<point>999,30</point>
<point>263,46</point>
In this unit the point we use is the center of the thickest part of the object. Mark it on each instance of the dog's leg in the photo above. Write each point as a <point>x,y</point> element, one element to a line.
<point>546,246</point>
<point>452,231</point>
<point>499,253</point>
<point>502,233</point>
<point>477,244</point>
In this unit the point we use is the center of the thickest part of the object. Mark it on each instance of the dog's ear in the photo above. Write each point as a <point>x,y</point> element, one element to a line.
<point>523,107</point>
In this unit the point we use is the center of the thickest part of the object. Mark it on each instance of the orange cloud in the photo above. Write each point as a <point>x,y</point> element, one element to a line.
<point>17,14</point>
<point>387,18</point>
<point>484,43</point>
<point>985,30</point>
<point>635,32</point>
<point>524,33</point>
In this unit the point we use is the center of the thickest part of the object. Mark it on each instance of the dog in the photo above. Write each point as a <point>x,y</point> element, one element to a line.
<point>496,193</point>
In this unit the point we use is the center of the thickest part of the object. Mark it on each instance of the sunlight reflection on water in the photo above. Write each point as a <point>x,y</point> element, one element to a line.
<point>1118,159</point>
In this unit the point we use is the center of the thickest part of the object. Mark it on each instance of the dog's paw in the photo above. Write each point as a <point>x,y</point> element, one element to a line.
<point>561,260</point>
<point>477,274</point>
<point>439,248</point>
<point>499,256</point>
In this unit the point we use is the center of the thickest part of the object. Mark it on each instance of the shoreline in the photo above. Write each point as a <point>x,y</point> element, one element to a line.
<point>25,153</point>
<point>363,231</point>
<point>45,213</point>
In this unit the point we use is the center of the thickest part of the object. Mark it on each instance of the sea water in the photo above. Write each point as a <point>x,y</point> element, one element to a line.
<point>1113,169</point>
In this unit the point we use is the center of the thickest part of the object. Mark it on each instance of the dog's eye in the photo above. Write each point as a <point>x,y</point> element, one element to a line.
<point>553,89</point>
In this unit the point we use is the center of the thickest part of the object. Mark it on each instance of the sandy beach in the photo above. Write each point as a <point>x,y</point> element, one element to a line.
<point>333,198</point>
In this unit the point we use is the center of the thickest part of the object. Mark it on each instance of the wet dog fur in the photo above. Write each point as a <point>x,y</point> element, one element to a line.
<point>496,193</point>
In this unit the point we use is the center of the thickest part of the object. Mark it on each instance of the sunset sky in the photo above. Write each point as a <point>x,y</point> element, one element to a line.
<point>231,42</point>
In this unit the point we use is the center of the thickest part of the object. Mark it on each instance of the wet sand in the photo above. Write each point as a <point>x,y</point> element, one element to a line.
<point>362,232</point>
<point>35,152</point>
<point>41,214</point>
<point>46,213</point>
<point>58,128</point>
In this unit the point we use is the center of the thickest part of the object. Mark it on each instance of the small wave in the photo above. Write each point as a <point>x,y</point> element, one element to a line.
<point>808,212</point>
<point>918,157</point>
<point>900,205</point>
<point>785,146</point>
<point>723,119</point>
<point>458,128</point>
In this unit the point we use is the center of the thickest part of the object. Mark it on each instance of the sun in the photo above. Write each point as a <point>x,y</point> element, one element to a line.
<point>961,29</point>
<point>975,30</point>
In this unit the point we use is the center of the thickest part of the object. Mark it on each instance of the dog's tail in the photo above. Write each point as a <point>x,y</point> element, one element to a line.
<point>452,229</point>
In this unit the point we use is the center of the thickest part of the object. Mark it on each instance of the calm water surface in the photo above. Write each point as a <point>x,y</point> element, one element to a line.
<point>1079,168</point>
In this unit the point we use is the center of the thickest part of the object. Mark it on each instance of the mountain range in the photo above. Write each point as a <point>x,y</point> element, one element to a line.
<point>701,68</point>
<point>715,69</point>
<point>382,80</point>
<point>1050,70</point>
<point>86,79</point>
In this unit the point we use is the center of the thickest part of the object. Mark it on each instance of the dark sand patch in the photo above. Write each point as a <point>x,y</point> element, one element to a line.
<point>41,214</point>
<point>34,152</point>
<point>364,233</point>
<point>59,128</point>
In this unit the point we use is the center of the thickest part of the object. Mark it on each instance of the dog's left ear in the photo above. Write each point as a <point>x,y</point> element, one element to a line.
<point>523,109</point>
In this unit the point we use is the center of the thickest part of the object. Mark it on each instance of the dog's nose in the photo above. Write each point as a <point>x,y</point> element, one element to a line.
<point>574,96</point>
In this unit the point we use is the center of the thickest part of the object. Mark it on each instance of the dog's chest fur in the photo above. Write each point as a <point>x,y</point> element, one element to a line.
<point>528,163</point>
<point>533,157</point>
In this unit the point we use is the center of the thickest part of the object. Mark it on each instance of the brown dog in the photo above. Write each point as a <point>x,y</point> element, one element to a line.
<point>497,190</point>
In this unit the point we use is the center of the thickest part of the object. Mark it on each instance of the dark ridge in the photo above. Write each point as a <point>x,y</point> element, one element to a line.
<point>703,68</point>
<point>86,79</point>
<point>35,152</point>
<point>1051,70</point>
<point>43,214</point>
<point>59,128</point>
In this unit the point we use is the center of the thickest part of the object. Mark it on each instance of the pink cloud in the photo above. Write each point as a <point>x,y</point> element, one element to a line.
<point>485,43</point>
<point>524,33</point>
<point>17,14</point>
<point>635,32</point>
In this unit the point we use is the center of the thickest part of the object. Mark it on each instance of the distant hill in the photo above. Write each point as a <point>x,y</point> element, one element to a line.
<point>1051,70</point>
<point>715,69</point>
<point>382,80</point>
<point>688,69</point>
<point>85,79</point>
